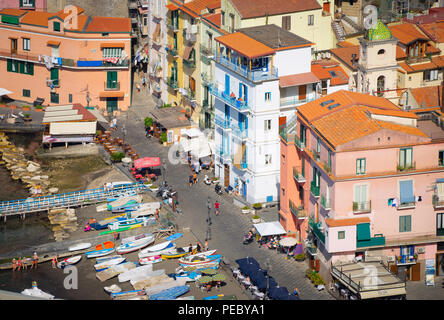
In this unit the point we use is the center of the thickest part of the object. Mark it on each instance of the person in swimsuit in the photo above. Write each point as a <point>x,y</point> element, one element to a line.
<point>35,260</point>
<point>19,263</point>
<point>54,262</point>
<point>14,264</point>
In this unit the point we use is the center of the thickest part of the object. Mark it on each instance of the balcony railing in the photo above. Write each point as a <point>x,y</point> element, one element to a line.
<point>406,167</point>
<point>438,203</point>
<point>172,51</point>
<point>224,154</point>
<point>299,177</point>
<point>190,95</point>
<point>299,143</point>
<point>405,260</point>
<point>223,122</point>
<point>315,190</point>
<point>377,240</point>
<point>298,211</point>
<point>54,82</point>
<point>316,228</point>
<point>361,207</point>
<point>294,101</point>
<point>325,202</point>
<point>204,50</point>
<point>406,204</point>
<point>239,105</point>
<point>111,85</point>
<point>239,132</point>
<point>173,25</point>
<point>252,75</point>
<point>189,64</point>
<point>172,83</point>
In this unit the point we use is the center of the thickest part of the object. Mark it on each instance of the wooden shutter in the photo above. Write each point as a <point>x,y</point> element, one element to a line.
<point>9,65</point>
<point>416,272</point>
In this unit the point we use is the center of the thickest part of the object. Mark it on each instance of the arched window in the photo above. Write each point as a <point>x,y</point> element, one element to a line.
<point>382,51</point>
<point>380,85</point>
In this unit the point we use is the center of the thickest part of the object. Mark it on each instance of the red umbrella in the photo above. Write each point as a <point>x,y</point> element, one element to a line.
<point>147,162</point>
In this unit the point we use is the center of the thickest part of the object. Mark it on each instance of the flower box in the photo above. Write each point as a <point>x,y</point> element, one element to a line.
<point>245,210</point>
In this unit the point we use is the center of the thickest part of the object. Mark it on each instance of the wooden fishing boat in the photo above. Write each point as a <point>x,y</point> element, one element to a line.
<point>125,295</point>
<point>103,259</point>
<point>69,261</point>
<point>105,265</point>
<point>102,249</point>
<point>198,259</point>
<point>79,246</point>
<point>150,260</point>
<point>171,293</point>
<point>126,223</point>
<point>135,243</point>
<point>158,249</point>
<point>121,202</point>
<point>168,283</point>
<point>178,253</point>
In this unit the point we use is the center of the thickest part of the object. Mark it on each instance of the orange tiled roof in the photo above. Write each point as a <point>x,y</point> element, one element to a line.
<point>197,6</point>
<point>37,18</point>
<point>343,44</point>
<point>434,30</point>
<point>346,222</point>
<point>427,96</point>
<point>407,33</point>
<point>297,79</point>
<point>321,70</point>
<point>397,127</point>
<point>109,24</point>
<point>245,45</point>
<point>344,54</point>
<point>215,18</point>
<point>260,8</point>
<point>439,61</point>
<point>395,113</point>
<point>400,54</point>
<point>14,12</point>
<point>410,68</point>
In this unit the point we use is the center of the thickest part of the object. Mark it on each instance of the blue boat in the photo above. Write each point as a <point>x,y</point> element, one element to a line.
<point>124,194</point>
<point>174,236</point>
<point>99,253</point>
<point>171,293</point>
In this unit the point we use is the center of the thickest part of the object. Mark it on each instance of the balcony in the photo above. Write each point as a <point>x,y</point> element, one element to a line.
<point>299,143</point>
<point>206,79</point>
<point>232,101</point>
<point>189,63</point>
<point>238,132</point>
<point>316,227</point>
<point>405,260</point>
<point>362,207</point>
<point>240,165</point>
<point>315,190</point>
<point>224,154</point>
<point>172,52</point>
<point>205,51</point>
<point>316,155</point>
<point>172,83</point>
<point>405,167</point>
<point>53,82</point>
<point>293,101</point>
<point>222,122</point>
<point>438,203</point>
<point>299,177</point>
<point>377,240</point>
<point>255,75</point>
<point>190,95</point>
<point>407,204</point>
<point>205,104</point>
<point>325,202</point>
<point>173,25</point>
<point>298,211</point>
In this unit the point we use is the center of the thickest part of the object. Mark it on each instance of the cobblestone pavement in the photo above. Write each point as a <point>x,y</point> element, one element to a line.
<point>228,228</point>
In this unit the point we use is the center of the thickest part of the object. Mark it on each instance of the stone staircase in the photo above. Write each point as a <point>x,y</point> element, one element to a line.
<point>338,29</point>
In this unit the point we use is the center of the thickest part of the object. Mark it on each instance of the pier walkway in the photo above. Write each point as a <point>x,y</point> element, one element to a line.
<point>66,200</point>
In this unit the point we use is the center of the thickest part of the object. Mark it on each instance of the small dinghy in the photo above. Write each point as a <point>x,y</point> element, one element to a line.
<point>198,259</point>
<point>126,295</point>
<point>68,261</point>
<point>113,289</point>
<point>102,249</point>
<point>187,276</point>
<point>134,273</point>
<point>150,260</point>
<point>105,265</point>
<point>127,223</point>
<point>149,252</point>
<point>135,243</point>
<point>174,236</point>
<point>80,246</point>
<point>36,292</point>
<point>178,253</point>
<point>103,259</point>
<point>169,283</point>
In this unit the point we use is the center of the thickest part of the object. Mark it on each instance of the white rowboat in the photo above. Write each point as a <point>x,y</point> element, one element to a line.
<point>69,261</point>
<point>135,243</point>
<point>104,265</point>
<point>79,246</point>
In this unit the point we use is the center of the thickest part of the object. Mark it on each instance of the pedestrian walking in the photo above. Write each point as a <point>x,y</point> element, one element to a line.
<point>206,245</point>
<point>216,207</point>
<point>54,262</point>
<point>190,180</point>
<point>190,249</point>
<point>194,178</point>
<point>138,87</point>
<point>14,264</point>
<point>144,82</point>
<point>157,214</point>
<point>198,248</point>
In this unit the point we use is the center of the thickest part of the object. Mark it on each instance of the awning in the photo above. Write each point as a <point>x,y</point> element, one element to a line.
<point>111,94</point>
<point>147,162</point>
<point>363,231</point>
<point>96,113</point>
<point>269,228</point>
<point>172,7</point>
<point>112,45</point>
<point>53,43</point>
<point>187,52</point>
<point>382,293</point>
<point>4,92</point>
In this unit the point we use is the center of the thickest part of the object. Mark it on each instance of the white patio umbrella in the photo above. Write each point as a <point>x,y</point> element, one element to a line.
<point>288,242</point>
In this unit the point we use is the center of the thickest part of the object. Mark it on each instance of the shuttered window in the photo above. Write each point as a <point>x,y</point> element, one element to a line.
<point>286,22</point>
<point>406,191</point>
<point>405,223</point>
<point>54,97</point>
<point>26,93</point>
<point>112,52</point>
<point>56,26</point>
<point>360,166</point>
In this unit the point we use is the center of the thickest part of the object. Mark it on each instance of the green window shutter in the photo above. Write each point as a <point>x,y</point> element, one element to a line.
<point>10,19</point>
<point>54,98</point>
<point>363,231</point>
<point>56,26</point>
<point>26,93</point>
<point>55,76</point>
<point>21,65</point>
<point>70,98</point>
<point>341,234</point>
<point>31,68</point>
<point>9,65</point>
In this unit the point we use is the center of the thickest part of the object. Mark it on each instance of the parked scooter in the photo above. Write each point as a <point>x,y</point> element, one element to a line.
<point>218,189</point>
<point>207,180</point>
<point>248,238</point>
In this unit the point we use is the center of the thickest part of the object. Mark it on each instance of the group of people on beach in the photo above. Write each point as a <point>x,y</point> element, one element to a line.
<point>198,247</point>
<point>22,263</point>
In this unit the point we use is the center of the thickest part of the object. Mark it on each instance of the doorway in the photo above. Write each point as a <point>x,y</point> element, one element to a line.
<point>226,175</point>
<point>111,104</point>
<point>302,92</point>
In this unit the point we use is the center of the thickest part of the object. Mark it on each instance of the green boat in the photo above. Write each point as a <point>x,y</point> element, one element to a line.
<point>111,231</point>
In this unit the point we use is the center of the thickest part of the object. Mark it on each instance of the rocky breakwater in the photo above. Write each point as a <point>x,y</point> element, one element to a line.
<point>20,168</point>
<point>63,222</point>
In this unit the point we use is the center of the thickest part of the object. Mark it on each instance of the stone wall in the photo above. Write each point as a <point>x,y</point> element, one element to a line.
<point>104,8</point>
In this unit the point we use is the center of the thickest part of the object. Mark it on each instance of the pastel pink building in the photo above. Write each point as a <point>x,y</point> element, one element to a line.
<point>66,57</point>
<point>362,178</point>
<point>38,5</point>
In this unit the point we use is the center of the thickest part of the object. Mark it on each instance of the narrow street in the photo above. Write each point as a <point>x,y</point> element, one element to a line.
<point>228,228</point>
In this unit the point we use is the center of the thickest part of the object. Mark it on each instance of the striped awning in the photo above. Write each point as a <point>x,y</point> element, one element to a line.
<point>112,45</point>
<point>111,94</point>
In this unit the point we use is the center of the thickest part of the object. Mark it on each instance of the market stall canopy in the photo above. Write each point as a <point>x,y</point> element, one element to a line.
<point>147,162</point>
<point>269,228</point>
<point>4,92</point>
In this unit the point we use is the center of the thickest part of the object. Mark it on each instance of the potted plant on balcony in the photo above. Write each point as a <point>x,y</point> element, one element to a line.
<point>256,219</point>
<point>38,108</point>
<point>26,108</point>
<point>246,210</point>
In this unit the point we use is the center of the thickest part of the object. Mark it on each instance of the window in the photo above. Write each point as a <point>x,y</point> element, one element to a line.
<point>27,3</point>
<point>54,97</point>
<point>145,20</point>
<point>302,134</point>
<point>440,224</point>
<point>286,22</point>
<point>341,235</point>
<point>232,22</point>
<point>329,159</point>
<point>26,44</point>
<point>26,67</point>
<point>430,75</point>
<point>14,46</point>
<point>360,166</point>
<point>268,159</point>
<point>406,193</point>
<point>12,66</point>
<point>283,191</point>
<point>26,93</point>
<point>112,52</point>
<point>405,223</point>
<point>267,125</point>
<point>405,158</point>
<point>441,158</point>
<point>380,85</point>
<point>360,199</point>
<point>56,26</point>
<point>70,98</point>
<point>267,96</point>
<point>311,20</point>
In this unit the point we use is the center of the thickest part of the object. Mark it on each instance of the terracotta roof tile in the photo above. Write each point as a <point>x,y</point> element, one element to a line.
<point>245,45</point>
<point>406,129</point>
<point>322,71</point>
<point>14,12</point>
<point>410,68</point>
<point>198,5</point>
<point>434,30</point>
<point>37,18</point>
<point>259,8</point>
<point>345,55</point>
<point>439,61</point>
<point>395,113</point>
<point>427,97</point>
<point>407,33</point>
<point>297,79</point>
<point>215,18</point>
<point>343,44</point>
<point>346,222</point>
<point>109,24</point>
